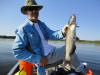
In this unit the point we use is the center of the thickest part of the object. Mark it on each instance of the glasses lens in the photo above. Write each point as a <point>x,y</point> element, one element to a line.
<point>31,9</point>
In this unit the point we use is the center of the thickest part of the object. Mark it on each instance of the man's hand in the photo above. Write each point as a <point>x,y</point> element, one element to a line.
<point>64,29</point>
<point>43,61</point>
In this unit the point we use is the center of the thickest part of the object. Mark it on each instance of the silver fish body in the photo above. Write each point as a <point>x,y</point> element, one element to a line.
<point>70,37</point>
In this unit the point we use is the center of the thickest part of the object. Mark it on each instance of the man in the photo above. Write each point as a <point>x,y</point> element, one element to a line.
<point>31,43</point>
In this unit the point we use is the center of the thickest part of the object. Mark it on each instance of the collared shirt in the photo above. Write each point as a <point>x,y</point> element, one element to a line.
<point>27,33</point>
<point>47,47</point>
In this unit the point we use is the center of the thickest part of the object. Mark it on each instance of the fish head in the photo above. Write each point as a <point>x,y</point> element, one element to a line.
<point>72,20</point>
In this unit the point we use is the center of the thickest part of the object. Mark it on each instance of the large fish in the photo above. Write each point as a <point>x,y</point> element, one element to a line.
<point>70,40</point>
<point>70,37</point>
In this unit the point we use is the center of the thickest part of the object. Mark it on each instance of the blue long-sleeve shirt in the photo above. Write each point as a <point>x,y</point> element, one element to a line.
<point>27,33</point>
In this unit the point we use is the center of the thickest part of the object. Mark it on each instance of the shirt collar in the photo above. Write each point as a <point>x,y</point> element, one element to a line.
<point>31,23</point>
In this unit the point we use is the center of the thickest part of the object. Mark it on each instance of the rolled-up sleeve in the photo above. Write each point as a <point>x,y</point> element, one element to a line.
<point>56,35</point>
<point>19,48</point>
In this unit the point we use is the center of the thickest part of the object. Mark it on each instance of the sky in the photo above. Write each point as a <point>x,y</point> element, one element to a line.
<point>55,14</point>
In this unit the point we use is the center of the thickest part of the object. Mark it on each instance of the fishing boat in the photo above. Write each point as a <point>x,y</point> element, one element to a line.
<point>50,70</point>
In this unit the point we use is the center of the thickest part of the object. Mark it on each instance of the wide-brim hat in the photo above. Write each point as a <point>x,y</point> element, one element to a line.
<point>30,4</point>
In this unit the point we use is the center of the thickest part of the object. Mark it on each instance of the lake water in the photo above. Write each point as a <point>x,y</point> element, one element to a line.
<point>89,53</point>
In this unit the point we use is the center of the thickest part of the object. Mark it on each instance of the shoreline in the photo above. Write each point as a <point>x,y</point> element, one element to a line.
<point>7,37</point>
<point>84,41</point>
<point>80,41</point>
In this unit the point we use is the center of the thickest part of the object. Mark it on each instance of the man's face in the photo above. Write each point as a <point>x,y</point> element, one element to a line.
<point>32,14</point>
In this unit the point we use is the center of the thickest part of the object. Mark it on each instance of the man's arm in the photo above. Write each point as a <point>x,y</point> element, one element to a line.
<point>56,35</point>
<point>19,48</point>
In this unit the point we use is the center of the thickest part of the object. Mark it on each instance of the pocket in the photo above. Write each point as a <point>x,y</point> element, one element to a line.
<point>33,37</point>
<point>32,34</point>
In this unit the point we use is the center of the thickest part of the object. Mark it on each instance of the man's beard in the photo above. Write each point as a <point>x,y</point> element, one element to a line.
<point>34,16</point>
<point>34,19</point>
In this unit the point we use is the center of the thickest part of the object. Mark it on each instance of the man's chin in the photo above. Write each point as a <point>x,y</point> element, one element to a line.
<point>34,19</point>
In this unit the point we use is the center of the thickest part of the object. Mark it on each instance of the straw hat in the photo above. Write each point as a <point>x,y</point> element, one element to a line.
<point>30,4</point>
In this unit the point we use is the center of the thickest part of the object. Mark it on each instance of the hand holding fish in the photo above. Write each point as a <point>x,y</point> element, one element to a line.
<point>43,61</point>
<point>64,29</point>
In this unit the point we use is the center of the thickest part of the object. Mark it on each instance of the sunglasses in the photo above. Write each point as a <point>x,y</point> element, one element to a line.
<point>31,9</point>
